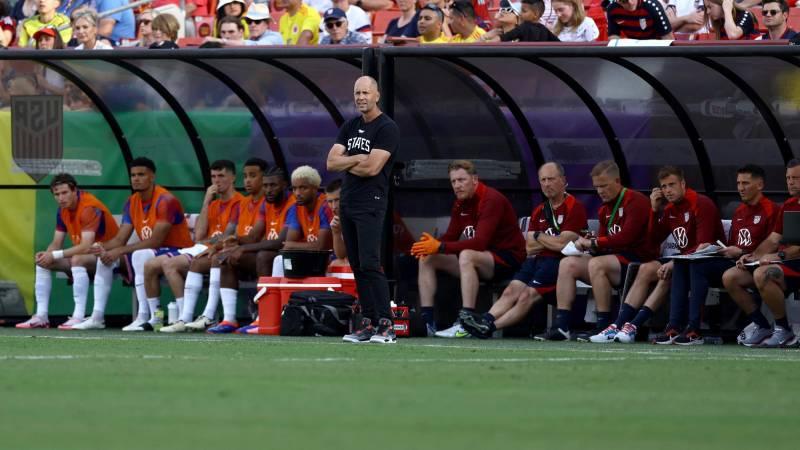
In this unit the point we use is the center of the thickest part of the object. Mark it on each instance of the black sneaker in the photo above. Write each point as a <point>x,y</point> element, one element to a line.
<point>585,336</point>
<point>363,334</point>
<point>667,337</point>
<point>554,334</point>
<point>385,333</point>
<point>475,323</point>
<point>690,336</point>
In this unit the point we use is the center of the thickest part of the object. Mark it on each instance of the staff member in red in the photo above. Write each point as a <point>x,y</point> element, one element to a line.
<point>622,239</point>
<point>554,223</point>
<point>86,220</point>
<point>752,221</point>
<point>482,241</point>
<point>691,219</point>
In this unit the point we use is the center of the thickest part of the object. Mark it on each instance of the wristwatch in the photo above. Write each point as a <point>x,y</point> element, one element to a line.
<point>536,235</point>
<point>593,243</point>
<point>781,255</point>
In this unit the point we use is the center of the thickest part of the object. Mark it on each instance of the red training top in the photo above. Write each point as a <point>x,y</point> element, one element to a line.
<point>627,232</point>
<point>569,216</point>
<point>692,221</point>
<point>751,224</point>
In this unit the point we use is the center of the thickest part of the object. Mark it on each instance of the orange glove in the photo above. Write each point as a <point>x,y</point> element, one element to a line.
<point>427,245</point>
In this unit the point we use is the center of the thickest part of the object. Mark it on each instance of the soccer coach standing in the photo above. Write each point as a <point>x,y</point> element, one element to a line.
<point>364,150</point>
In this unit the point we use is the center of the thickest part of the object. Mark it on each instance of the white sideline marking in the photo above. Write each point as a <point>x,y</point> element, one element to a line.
<point>69,357</point>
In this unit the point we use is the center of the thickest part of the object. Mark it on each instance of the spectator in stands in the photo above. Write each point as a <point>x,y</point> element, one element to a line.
<point>463,22</point>
<point>637,19</point>
<point>572,24</point>
<point>776,14</point>
<point>431,20</point>
<point>85,29</point>
<point>245,221</point>
<point>231,30</point>
<point>692,220</point>
<point>47,16</point>
<point>300,24</point>
<point>335,22</point>
<point>558,220</point>
<point>117,26</point>
<point>69,6</point>
<point>258,19</point>
<point>509,29</point>
<point>685,16</point>
<point>404,26</point>
<point>372,5</point>
<point>533,10</point>
<point>23,9</point>
<point>48,39</point>
<point>158,220</point>
<point>771,279</point>
<point>729,20</point>
<point>86,220</point>
<point>752,222</point>
<point>548,16</point>
<point>165,32</point>
<point>482,241</point>
<point>256,253</point>
<point>621,240</point>
<point>145,35</point>
<point>235,8</point>
<point>8,26</point>
<point>358,20</point>
<point>217,221</point>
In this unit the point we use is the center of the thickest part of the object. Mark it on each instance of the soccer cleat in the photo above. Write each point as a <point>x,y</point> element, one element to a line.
<point>746,332</point>
<point>627,335</point>
<point>456,331</point>
<point>69,324</point>
<point>475,324</point>
<point>554,334</point>
<point>200,324</point>
<point>363,334</point>
<point>385,333</point>
<point>247,329</point>
<point>136,325</point>
<point>177,327</point>
<point>757,337</point>
<point>667,337</point>
<point>605,336</point>
<point>224,327</point>
<point>781,337</point>
<point>689,337</point>
<point>34,322</point>
<point>90,324</point>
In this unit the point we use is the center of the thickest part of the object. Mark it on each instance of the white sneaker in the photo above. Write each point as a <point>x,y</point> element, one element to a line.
<point>177,327</point>
<point>70,323</point>
<point>627,335</point>
<point>456,331</point>
<point>606,336</point>
<point>35,322</point>
<point>202,323</point>
<point>90,324</point>
<point>138,325</point>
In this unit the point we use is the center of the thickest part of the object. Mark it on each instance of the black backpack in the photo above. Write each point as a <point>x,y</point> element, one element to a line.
<point>324,313</point>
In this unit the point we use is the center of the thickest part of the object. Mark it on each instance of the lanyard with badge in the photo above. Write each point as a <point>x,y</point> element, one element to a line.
<point>610,223</point>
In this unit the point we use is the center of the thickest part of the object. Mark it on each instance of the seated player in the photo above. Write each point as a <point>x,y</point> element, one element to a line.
<point>692,219</point>
<point>482,241</point>
<point>752,222</point>
<point>216,221</point>
<point>86,220</point>
<point>333,192</point>
<point>553,224</point>
<point>157,217</point>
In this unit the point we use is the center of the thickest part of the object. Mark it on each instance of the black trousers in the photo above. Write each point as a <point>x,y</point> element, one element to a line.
<point>362,229</point>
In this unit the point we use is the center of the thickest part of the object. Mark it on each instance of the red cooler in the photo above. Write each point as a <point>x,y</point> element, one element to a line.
<point>274,292</point>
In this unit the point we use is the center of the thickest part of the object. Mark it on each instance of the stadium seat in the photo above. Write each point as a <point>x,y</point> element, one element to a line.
<point>794,18</point>
<point>380,21</point>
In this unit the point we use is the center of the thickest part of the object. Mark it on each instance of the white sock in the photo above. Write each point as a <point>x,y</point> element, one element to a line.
<point>153,304</point>
<point>138,258</point>
<point>277,266</point>
<point>229,304</point>
<point>80,290</point>
<point>213,293</point>
<point>103,278</point>
<point>191,290</point>
<point>42,288</point>
<point>179,304</point>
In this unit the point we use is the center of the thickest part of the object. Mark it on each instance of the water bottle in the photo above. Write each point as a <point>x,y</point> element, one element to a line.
<point>172,313</point>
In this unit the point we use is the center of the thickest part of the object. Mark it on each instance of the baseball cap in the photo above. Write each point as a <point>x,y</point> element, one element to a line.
<point>257,11</point>
<point>48,31</point>
<point>513,7</point>
<point>334,13</point>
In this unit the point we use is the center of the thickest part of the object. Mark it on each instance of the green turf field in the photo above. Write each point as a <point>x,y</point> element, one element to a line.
<point>113,390</point>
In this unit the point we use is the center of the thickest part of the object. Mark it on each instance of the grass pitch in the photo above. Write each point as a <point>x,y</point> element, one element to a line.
<point>114,390</point>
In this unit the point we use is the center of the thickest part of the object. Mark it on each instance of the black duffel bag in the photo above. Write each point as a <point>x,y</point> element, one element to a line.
<point>323,313</point>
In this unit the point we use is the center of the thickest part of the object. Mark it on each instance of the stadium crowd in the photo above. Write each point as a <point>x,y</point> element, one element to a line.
<point>166,24</point>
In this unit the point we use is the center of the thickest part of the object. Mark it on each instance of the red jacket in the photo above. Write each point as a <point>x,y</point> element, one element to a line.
<point>751,224</point>
<point>692,221</point>
<point>569,216</point>
<point>628,230</point>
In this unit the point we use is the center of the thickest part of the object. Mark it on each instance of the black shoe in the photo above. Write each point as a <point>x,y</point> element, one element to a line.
<point>690,336</point>
<point>385,333</point>
<point>363,334</point>
<point>554,334</point>
<point>475,323</point>
<point>667,337</point>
